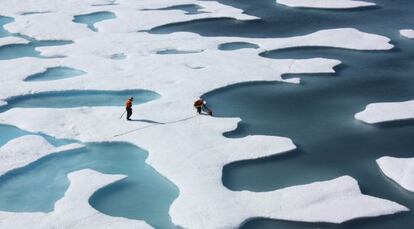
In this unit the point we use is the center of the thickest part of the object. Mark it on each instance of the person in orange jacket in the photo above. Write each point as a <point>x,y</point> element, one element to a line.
<point>200,104</point>
<point>128,108</point>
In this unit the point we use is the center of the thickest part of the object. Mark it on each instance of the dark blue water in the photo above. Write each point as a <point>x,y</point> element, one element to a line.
<point>91,19</point>
<point>109,3</point>
<point>3,21</point>
<point>68,99</point>
<point>55,73</point>
<point>237,45</point>
<point>175,51</point>
<point>36,12</point>
<point>189,9</point>
<point>118,56</point>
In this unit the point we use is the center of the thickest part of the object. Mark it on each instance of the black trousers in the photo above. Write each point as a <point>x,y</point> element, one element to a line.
<point>129,113</point>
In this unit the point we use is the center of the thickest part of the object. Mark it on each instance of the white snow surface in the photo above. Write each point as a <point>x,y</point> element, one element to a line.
<point>73,210</point>
<point>12,40</point>
<point>400,170</point>
<point>384,112</point>
<point>189,150</point>
<point>21,151</point>
<point>326,4</point>
<point>408,33</point>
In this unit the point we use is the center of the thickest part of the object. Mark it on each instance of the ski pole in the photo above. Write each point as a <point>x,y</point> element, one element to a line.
<point>122,114</point>
<point>210,112</point>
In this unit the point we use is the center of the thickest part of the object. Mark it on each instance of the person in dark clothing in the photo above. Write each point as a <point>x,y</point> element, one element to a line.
<point>200,105</point>
<point>128,107</point>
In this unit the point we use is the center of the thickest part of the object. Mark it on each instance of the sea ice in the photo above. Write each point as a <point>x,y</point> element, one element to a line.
<point>384,112</point>
<point>408,33</point>
<point>12,41</point>
<point>400,170</point>
<point>326,4</point>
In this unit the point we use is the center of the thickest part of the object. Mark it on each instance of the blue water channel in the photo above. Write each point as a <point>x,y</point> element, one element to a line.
<point>237,45</point>
<point>77,98</point>
<point>175,51</point>
<point>55,73</point>
<point>3,21</point>
<point>92,18</point>
<point>189,9</point>
<point>118,56</point>
<point>108,3</point>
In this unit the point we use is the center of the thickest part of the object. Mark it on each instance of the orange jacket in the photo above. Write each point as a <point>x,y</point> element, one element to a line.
<point>199,103</point>
<point>128,104</point>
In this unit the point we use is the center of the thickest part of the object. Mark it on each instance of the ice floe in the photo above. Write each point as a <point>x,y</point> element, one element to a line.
<point>408,33</point>
<point>326,4</point>
<point>23,150</point>
<point>12,41</point>
<point>73,210</point>
<point>400,170</point>
<point>384,112</point>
